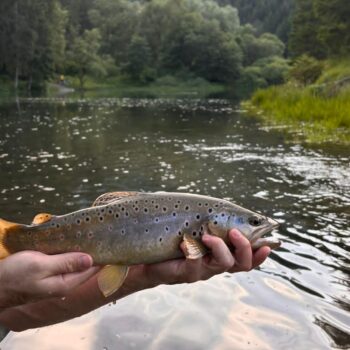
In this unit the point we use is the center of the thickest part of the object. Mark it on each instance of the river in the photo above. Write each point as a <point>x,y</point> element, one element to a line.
<point>58,154</point>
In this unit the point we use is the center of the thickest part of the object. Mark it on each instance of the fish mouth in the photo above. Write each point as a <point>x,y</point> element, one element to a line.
<point>263,230</point>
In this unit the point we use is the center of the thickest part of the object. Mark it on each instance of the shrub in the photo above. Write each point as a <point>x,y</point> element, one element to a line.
<point>306,70</point>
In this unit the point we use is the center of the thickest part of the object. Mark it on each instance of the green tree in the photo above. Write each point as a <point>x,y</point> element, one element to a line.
<point>304,38</point>
<point>139,59</point>
<point>117,21</point>
<point>333,25</point>
<point>83,57</point>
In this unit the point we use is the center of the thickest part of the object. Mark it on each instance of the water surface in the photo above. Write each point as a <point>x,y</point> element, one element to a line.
<point>58,155</point>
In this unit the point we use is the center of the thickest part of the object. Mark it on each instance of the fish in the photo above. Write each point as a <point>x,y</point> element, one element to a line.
<point>122,229</point>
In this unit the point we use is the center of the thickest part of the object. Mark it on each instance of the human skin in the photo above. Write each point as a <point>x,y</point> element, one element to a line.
<point>87,296</point>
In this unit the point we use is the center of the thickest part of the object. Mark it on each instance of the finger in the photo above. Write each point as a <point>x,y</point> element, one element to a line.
<point>243,251</point>
<point>260,256</point>
<point>59,285</point>
<point>222,258</point>
<point>67,263</point>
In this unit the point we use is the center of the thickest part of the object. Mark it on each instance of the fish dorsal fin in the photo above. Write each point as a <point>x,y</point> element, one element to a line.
<point>111,277</point>
<point>112,197</point>
<point>194,249</point>
<point>41,218</point>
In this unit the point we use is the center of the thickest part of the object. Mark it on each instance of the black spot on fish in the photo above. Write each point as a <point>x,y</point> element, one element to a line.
<point>198,217</point>
<point>87,219</point>
<point>157,206</point>
<point>156,220</point>
<point>215,222</point>
<point>117,215</point>
<point>101,218</point>
<point>146,230</point>
<point>57,225</point>
<point>222,214</point>
<point>164,209</point>
<point>78,221</point>
<point>194,233</point>
<point>145,210</point>
<point>123,232</point>
<point>187,207</point>
<point>199,204</point>
<point>166,228</point>
<point>126,213</point>
<point>186,223</point>
<point>176,206</point>
<point>110,211</point>
<point>136,209</point>
<point>206,204</point>
<point>174,214</point>
<point>179,233</point>
<point>210,210</point>
<point>160,239</point>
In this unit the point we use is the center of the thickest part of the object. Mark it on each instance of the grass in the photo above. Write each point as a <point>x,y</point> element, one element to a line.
<point>165,86</point>
<point>320,117</point>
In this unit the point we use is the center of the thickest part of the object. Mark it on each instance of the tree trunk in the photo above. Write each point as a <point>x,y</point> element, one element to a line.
<point>16,45</point>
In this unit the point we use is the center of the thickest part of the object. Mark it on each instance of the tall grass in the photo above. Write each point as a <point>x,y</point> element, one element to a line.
<point>321,116</point>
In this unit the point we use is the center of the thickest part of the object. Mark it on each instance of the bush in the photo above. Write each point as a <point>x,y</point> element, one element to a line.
<point>306,70</point>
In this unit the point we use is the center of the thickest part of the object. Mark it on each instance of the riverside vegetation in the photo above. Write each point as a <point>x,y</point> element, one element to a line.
<point>316,96</point>
<point>296,52</point>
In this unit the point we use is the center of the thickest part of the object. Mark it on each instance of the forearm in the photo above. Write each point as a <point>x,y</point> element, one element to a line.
<point>80,301</point>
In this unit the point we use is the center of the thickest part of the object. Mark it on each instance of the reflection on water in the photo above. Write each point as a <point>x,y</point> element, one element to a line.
<point>58,155</point>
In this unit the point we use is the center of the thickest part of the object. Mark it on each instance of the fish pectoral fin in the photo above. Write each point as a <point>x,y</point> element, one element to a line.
<point>111,277</point>
<point>110,197</point>
<point>194,249</point>
<point>41,218</point>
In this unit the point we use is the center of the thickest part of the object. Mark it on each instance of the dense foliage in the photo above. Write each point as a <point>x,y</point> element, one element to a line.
<point>227,41</point>
<point>139,40</point>
<point>320,28</point>
<point>271,16</point>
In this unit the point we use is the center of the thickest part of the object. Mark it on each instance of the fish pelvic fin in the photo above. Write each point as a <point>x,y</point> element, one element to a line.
<point>111,277</point>
<point>6,227</point>
<point>111,197</point>
<point>194,249</point>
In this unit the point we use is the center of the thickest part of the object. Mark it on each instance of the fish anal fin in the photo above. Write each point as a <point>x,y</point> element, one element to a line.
<point>110,278</point>
<point>6,227</point>
<point>111,197</point>
<point>41,218</point>
<point>194,249</point>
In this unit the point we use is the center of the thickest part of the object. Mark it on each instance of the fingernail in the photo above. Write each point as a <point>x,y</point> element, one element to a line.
<point>85,262</point>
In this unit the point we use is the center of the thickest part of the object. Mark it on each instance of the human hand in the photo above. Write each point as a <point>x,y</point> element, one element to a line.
<point>219,260</point>
<point>28,276</point>
<point>88,297</point>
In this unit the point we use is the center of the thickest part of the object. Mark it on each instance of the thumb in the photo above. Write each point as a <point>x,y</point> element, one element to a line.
<point>67,271</point>
<point>67,263</point>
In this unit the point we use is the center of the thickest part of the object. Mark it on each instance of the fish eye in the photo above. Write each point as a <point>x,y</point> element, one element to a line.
<point>255,221</point>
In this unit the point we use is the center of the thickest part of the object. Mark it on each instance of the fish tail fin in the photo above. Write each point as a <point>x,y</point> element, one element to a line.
<point>6,227</point>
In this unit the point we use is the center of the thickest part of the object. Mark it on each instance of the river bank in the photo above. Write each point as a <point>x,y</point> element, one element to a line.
<point>320,112</point>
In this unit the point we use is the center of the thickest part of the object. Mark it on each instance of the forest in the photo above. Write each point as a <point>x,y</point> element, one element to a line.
<point>234,42</point>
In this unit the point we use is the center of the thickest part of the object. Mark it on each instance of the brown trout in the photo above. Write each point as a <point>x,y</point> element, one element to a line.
<point>129,228</point>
